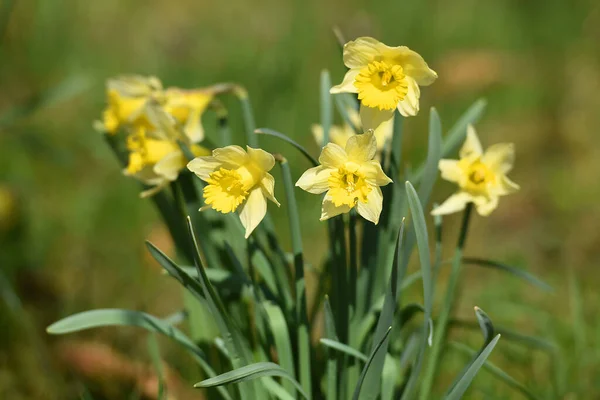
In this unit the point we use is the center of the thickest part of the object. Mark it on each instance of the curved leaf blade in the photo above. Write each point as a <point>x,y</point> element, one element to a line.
<point>279,135</point>
<point>510,269</point>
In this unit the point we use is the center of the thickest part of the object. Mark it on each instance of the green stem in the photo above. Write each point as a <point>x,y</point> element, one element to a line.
<point>326,109</point>
<point>248,116</point>
<point>353,273</point>
<point>442,324</point>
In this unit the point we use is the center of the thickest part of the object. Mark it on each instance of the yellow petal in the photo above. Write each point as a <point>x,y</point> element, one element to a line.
<point>412,64</point>
<point>409,106</point>
<point>253,210</point>
<point>193,127</point>
<point>485,205</point>
<point>372,208</point>
<point>507,186</point>
<point>315,180</point>
<point>361,51</point>
<point>456,202</point>
<point>203,166</point>
<point>372,118</point>
<point>317,132</point>
<point>263,159</point>
<point>472,145</point>
<point>268,187</point>
<point>500,157</point>
<point>360,148</point>
<point>153,190</point>
<point>170,165</point>
<point>332,156</point>
<point>374,173</point>
<point>347,85</point>
<point>451,170</point>
<point>329,210</point>
<point>231,156</point>
<point>384,133</point>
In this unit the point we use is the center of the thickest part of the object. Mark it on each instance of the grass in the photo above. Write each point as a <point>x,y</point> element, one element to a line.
<point>73,240</point>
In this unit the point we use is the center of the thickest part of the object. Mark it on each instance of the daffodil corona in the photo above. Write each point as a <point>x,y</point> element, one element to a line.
<point>237,180</point>
<point>385,78</point>
<point>350,176</point>
<point>480,176</point>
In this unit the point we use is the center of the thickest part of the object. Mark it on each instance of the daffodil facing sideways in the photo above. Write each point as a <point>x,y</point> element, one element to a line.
<point>350,176</point>
<point>481,176</point>
<point>187,106</point>
<point>155,155</point>
<point>385,78</point>
<point>340,134</point>
<point>237,180</point>
<point>127,97</point>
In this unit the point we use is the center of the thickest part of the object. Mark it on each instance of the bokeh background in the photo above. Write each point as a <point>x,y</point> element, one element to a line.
<point>72,227</point>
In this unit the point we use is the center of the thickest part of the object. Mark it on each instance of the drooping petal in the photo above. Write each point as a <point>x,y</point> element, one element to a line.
<point>472,146</point>
<point>454,203</point>
<point>347,85</point>
<point>332,156</point>
<point>361,51</point>
<point>315,180</point>
<point>263,159</point>
<point>507,186</point>
<point>485,204</point>
<point>412,64</point>
<point>361,148</point>
<point>374,173</point>
<point>253,210</point>
<point>409,106</point>
<point>372,208</point>
<point>329,210</point>
<point>170,165</point>
<point>451,170</point>
<point>500,157</point>
<point>231,156</point>
<point>373,118</point>
<point>203,166</point>
<point>268,187</point>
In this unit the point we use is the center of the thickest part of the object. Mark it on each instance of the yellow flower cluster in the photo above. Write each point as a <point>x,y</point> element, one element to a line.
<point>155,121</point>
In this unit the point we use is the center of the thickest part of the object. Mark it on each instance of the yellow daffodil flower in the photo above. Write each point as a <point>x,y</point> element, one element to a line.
<point>127,97</point>
<point>237,180</point>
<point>187,106</point>
<point>480,176</point>
<point>340,134</point>
<point>155,157</point>
<point>385,78</point>
<point>350,176</point>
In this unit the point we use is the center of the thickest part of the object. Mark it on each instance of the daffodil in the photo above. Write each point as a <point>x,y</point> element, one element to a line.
<point>350,176</point>
<point>187,106</point>
<point>481,176</point>
<point>237,180</point>
<point>340,134</point>
<point>155,156</point>
<point>127,97</point>
<point>385,78</point>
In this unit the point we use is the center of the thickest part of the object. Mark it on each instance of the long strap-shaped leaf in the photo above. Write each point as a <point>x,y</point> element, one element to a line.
<point>465,380</point>
<point>510,269</point>
<point>117,317</point>
<point>279,135</point>
<point>368,364</point>
<point>249,372</point>
<point>344,348</point>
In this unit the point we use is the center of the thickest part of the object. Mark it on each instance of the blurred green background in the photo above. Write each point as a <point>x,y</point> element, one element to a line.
<point>72,227</point>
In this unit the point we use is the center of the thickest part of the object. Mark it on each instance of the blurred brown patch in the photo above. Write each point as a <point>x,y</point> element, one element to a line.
<point>112,373</point>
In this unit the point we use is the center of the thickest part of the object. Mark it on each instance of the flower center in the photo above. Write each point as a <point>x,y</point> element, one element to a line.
<point>381,85</point>
<point>479,176</point>
<point>347,187</point>
<point>225,190</point>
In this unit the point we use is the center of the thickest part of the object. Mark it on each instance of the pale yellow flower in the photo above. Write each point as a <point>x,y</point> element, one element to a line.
<point>187,106</point>
<point>385,78</point>
<point>237,180</point>
<point>340,134</point>
<point>155,157</point>
<point>127,97</point>
<point>350,176</point>
<point>480,176</point>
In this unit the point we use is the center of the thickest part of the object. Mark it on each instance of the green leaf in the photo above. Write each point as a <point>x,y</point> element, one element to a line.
<point>390,375</point>
<point>248,117</point>
<point>154,351</point>
<point>343,102</point>
<point>271,132</point>
<point>279,328</point>
<point>510,269</point>
<point>485,323</point>
<point>456,135</point>
<point>250,372</point>
<point>276,389</point>
<point>331,359</point>
<point>326,109</point>
<point>369,363</point>
<point>434,153</point>
<point>344,348</point>
<point>465,380</point>
<point>420,227</point>
<point>495,371</point>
